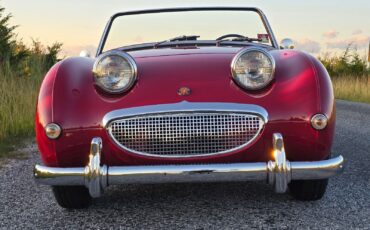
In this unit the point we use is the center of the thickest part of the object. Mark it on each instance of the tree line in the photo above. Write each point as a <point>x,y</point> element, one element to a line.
<point>18,58</point>
<point>349,63</point>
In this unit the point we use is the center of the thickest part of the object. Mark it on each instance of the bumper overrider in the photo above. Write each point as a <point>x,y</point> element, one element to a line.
<point>279,172</point>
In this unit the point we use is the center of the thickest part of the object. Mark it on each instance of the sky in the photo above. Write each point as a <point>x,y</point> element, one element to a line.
<point>317,26</point>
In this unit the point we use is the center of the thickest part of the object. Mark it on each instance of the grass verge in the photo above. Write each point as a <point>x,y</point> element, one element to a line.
<point>18,96</point>
<point>352,88</point>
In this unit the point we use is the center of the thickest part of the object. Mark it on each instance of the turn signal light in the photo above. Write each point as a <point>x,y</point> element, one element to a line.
<point>319,121</point>
<point>53,130</point>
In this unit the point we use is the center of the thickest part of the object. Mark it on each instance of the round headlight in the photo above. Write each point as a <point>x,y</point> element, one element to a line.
<point>115,72</point>
<point>253,68</point>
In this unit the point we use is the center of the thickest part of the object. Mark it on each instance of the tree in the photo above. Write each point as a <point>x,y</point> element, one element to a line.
<point>17,57</point>
<point>51,57</point>
<point>7,41</point>
<point>11,52</point>
<point>349,63</point>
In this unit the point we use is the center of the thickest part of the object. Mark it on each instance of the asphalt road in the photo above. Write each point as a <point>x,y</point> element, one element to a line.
<point>346,205</point>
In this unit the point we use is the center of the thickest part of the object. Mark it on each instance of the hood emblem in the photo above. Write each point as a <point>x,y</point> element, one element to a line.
<point>184,91</point>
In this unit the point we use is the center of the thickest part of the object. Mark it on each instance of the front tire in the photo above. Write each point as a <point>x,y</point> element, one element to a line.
<point>308,190</point>
<point>72,197</point>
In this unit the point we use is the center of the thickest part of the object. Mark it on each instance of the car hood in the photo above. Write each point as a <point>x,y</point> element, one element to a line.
<point>183,51</point>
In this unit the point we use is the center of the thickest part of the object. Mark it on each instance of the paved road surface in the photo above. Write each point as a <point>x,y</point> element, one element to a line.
<point>23,204</point>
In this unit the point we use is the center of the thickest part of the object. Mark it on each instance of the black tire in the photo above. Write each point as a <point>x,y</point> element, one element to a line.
<point>72,197</point>
<point>308,190</point>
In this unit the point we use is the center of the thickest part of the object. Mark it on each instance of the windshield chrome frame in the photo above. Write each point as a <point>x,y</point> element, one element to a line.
<point>263,17</point>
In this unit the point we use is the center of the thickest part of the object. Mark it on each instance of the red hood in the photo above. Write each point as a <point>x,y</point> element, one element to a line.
<point>206,71</point>
<point>184,51</point>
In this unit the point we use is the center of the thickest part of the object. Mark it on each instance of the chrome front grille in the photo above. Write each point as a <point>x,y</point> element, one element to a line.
<point>185,134</point>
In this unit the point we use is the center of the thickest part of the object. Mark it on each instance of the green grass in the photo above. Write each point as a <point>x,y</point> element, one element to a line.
<point>18,96</point>
<point>352,88</point>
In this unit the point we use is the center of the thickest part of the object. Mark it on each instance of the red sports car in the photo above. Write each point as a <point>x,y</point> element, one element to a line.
<point>186,95</point>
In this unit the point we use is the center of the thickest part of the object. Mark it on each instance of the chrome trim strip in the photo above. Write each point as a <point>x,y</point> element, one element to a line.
<point>278,172</point>
<point>187,173</point>
<point>185,107</point>
<point>268,28</point>
<point>59,176</point>
<point>323,169</point>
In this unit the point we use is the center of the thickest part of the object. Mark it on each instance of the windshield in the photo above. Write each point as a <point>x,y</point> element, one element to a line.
<point>154,27</point>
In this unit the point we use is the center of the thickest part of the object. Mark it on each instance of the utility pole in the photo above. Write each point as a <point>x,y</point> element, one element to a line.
<point>368,55</point>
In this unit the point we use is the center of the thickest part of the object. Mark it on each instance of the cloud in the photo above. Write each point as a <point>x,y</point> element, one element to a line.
<point>356,32</point>
<point>70,51</point>
<point>360,41</point>
<point>308,45</point>
<point>330,34</point>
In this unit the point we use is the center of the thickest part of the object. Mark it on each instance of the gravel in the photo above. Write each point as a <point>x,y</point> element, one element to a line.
<point>346,205</point>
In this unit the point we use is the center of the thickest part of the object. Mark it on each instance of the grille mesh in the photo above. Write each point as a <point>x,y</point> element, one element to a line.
<point>185,135</point>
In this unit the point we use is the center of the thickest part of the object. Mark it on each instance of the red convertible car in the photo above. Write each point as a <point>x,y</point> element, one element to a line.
<point>186,95</point>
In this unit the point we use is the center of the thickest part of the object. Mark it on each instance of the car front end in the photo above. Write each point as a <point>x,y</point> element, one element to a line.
<point>186,111</point>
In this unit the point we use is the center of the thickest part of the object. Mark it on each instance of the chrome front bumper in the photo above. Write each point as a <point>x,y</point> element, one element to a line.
<point>279,173</point>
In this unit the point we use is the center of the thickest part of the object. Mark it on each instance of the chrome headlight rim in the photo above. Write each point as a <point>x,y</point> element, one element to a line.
<point>129,60</point>
<point>240,54</point>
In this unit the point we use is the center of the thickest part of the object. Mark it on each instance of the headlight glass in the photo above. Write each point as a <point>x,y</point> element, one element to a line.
<point>115,72</point>
<point>253,68</point>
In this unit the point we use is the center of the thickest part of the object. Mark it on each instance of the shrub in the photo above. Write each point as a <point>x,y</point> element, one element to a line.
<point>348,64</point>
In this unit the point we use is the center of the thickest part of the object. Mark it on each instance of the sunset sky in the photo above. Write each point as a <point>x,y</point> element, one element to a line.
<point>317,26</point>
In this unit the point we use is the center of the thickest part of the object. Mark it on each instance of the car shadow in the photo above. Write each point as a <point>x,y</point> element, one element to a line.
<point>170,196</point>
<point>196,206</point>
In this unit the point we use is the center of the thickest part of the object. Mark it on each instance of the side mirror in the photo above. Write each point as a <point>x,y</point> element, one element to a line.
<point>85,53</point>
<point>287,44</point>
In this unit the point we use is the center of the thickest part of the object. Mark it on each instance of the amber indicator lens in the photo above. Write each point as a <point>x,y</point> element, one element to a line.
<point>319,121</point>
<point>53,130</point>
